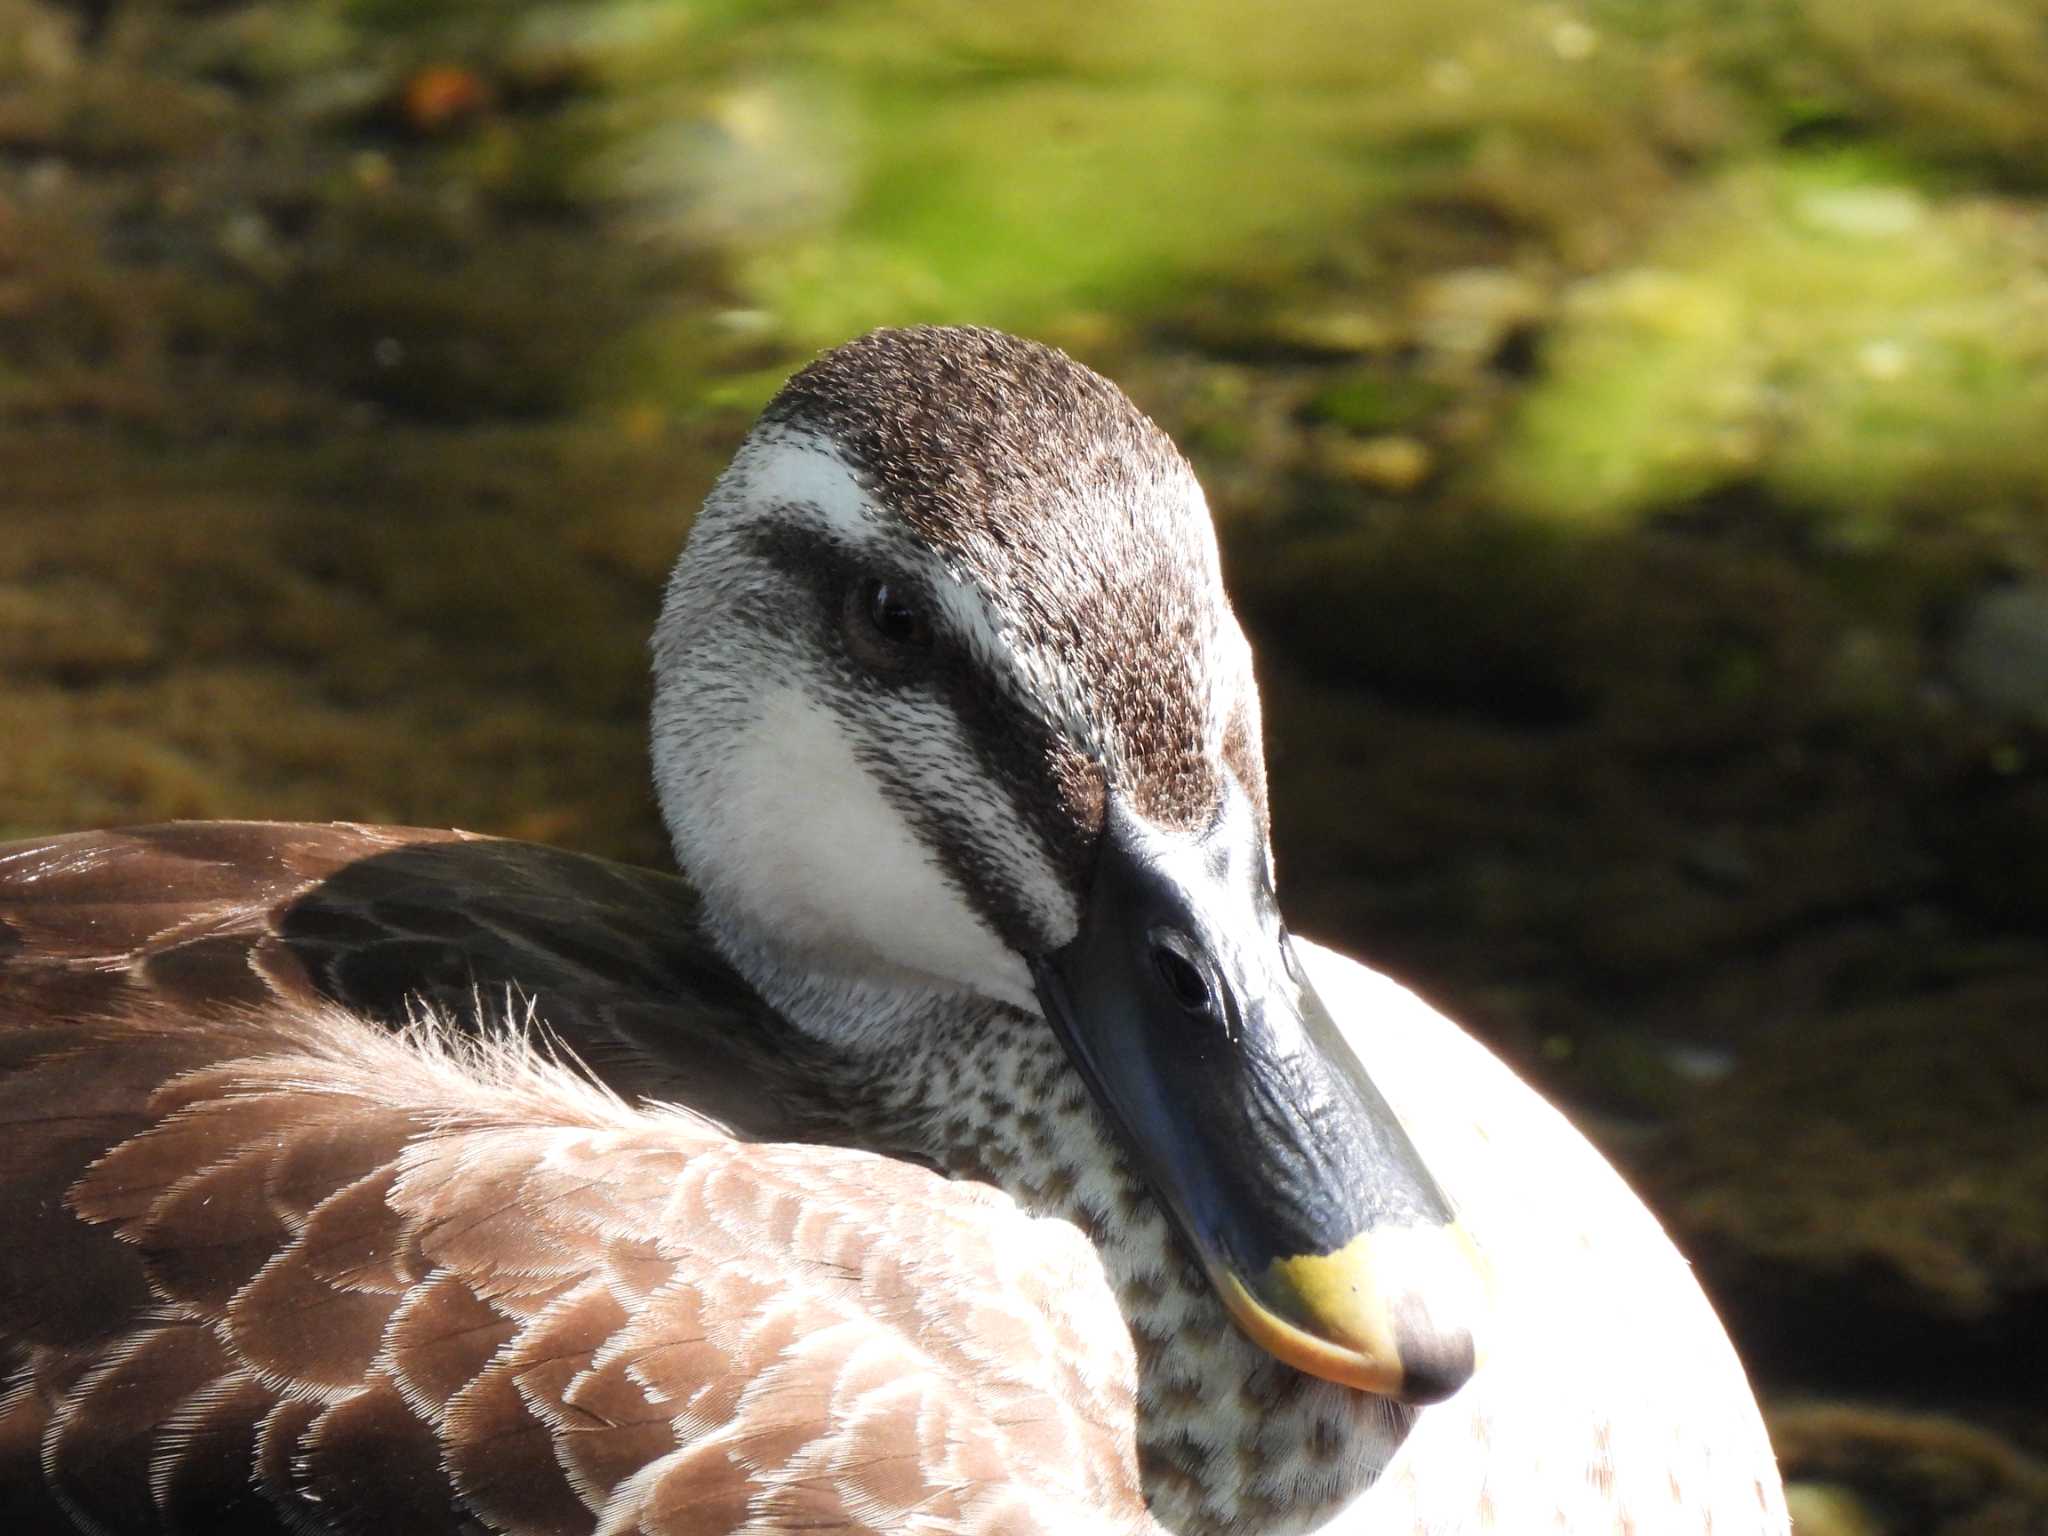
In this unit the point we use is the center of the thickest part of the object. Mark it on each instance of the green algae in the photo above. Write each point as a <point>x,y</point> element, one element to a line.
<point>1854,348</point>
<point>1062,156</point>
<point>1377,400</point>
<point>1962,84</point>
<point>197,644</point>
<point>1607,409</point>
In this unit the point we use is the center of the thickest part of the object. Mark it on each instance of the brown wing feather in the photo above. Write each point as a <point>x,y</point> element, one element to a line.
<point>211,916</point>
<point>281,1269</point>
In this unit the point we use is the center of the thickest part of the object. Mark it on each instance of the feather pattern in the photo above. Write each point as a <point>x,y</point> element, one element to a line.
<point>337,1253</point>
<point>442,1282</point>
<point>364,1180</point>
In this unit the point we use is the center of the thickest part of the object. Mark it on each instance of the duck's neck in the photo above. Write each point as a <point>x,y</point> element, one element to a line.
<point>1229,1439</point>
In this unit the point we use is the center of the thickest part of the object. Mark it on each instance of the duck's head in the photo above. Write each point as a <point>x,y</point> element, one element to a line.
<point>950,701</point>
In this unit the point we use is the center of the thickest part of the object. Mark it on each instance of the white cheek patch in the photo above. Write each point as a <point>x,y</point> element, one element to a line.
<point>803,838</point>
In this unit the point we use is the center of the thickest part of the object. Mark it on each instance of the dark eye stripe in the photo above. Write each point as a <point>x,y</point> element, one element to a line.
<point>1052,790</point>
<point>833,573</point>
<point>813,554</point>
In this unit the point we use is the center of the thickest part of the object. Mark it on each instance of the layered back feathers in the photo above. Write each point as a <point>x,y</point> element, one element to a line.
<point>283,1270</point>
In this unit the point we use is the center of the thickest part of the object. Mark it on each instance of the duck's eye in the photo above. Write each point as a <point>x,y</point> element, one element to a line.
<point>885,628</point>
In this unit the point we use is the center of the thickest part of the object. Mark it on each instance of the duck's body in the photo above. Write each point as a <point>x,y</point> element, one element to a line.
<point>913,1260</point>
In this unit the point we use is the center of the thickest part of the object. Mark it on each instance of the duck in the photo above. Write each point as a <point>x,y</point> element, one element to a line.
<point>959,1143</point>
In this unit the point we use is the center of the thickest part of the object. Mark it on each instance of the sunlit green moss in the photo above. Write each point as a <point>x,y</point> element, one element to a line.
<point>1961,81</point>
<point>909,159</point>
<point>1377,400</point>
<point>1818,328</point>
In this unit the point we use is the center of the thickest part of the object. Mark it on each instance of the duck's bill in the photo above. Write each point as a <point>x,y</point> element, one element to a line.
<point>1285,1170</point>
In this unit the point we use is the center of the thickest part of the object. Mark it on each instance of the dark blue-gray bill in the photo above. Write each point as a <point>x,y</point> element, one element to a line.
<point>1285,1170</point>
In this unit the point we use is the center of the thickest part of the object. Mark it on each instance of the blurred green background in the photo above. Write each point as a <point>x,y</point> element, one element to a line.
<point>1628,424</point>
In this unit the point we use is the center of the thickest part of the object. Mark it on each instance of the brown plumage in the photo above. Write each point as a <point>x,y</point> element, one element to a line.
<point>1060,498</point>
<point>271,1266</point>
<point>365,1180</point>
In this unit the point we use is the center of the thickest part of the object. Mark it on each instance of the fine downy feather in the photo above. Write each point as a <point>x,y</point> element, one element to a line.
<point>272,1266</point>
<point>304,1235</point>
<point>437,1281</point>
<point>236,1297</point>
